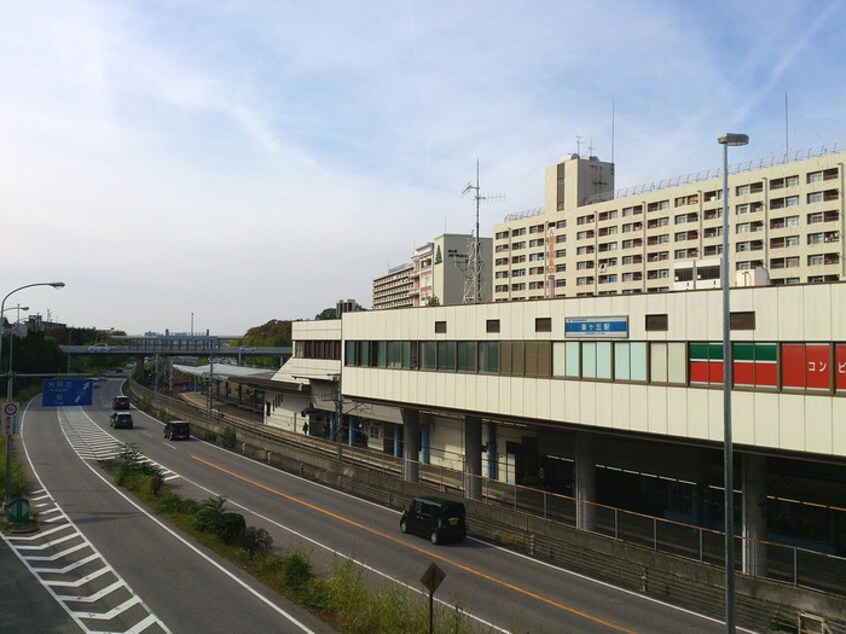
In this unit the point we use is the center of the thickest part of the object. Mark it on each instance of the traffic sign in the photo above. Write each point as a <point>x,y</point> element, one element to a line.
<point>433,577</point>
<point>17,510</point>
<point>66,392</point>
<point>10,419</point>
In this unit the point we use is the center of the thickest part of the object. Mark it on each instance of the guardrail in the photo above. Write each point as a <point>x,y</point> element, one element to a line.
<point>793,565</point>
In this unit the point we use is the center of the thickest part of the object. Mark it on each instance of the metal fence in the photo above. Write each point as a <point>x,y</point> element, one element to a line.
<point>779,562</point>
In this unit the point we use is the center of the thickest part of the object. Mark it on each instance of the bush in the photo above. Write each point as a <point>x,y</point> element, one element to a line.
<point>227,438</point>
<point>156,482</point>
<point>296,571</point>
<point>230,527</point>
<point>209,515</point>
<point>256,540</point>
<point>211,436</point>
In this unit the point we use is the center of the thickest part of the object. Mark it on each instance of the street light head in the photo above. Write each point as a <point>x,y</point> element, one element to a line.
<point>57,284</point>
<point>733,139</point>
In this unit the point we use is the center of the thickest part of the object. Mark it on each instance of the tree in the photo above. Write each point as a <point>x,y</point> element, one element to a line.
<point>433,301</point>
<point>273,333</point>
<point>326,313</point>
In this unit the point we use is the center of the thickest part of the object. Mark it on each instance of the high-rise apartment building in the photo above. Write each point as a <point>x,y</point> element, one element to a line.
<point>438,269</point>
<point>786,222</point>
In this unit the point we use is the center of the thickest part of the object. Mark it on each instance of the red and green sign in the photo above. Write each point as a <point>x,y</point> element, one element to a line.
<point>755,364</point>
<point>706,363</point>
<point>806,366</point>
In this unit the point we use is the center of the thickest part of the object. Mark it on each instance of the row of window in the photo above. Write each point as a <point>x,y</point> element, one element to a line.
<point>814,367</point>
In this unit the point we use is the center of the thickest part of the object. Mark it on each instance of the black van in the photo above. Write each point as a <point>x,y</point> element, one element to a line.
<point>177,430</point>
<point>435,518</point>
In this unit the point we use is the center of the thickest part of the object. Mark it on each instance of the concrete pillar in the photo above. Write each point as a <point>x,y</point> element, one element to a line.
<point>397,441</point>
<point>754,503</point>
<point>351,430</point>
<point>585,471</point>
<point>473,457</point>
<point>491,451</point>
<point>425,430</point>
<point>333,427</point>
<point>411,442</point>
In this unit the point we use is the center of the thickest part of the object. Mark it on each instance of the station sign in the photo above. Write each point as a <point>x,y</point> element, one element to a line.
<point>596,327</point>
<point>66,392</point>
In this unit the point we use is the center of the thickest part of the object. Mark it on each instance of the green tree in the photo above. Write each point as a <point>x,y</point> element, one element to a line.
<point>326,313</point>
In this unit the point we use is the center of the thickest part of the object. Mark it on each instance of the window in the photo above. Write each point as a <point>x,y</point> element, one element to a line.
<point>744,320</point>
<point>667,362</point>
<point>584,235</point>
<point>466,351</point>
<point>446,355</point>
<point>791,221</point>
<point>428,354</point>
<point>814,177</point>
<point>741,190</point>
<point>560,268</point>
<point>489,355</point>
<point>791,201</point>
<point>815,197</point>
<point>656,322</point>
<point>518,245</point>
<point>543,324</point>
<point>492,325</point>
<point>561,238</point>
<point>815,260</point>
<point>561,253</point>
<point>630,361</point>
<point>741,209</point>
<point>791,181</point>
<point>440,327</point>
<point>596,360</point>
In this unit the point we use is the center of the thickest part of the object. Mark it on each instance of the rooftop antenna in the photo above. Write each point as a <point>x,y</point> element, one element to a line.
<point>578,145</point>
<point>590,148</point>
<point>473,270</point>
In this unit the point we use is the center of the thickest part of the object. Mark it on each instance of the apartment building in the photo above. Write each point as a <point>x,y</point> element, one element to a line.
<point>438,269</point>
<point>392,290</point>
<point>786,223</point>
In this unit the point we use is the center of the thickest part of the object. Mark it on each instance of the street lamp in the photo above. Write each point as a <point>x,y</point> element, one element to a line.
<point>8,492</point>
<point>727,140</point>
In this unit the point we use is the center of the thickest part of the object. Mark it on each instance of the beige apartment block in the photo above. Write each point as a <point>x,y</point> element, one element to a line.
<point>786,223</point>
<point>438,270</point>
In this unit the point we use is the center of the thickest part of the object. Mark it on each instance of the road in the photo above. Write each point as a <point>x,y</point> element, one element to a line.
<point>501,590</point>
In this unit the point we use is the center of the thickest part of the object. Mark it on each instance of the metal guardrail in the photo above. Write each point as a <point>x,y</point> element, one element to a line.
<point>792,565</point>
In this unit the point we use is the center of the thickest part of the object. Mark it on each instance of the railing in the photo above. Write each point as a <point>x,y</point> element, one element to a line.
<point>779,562</point>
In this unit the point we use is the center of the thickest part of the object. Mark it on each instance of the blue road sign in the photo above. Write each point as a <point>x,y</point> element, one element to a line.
<point>66,392</point>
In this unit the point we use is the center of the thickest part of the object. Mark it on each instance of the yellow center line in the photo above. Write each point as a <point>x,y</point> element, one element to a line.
<point>423,551</point>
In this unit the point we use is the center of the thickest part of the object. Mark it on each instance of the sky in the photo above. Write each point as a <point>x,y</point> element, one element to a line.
<point>222,163</point>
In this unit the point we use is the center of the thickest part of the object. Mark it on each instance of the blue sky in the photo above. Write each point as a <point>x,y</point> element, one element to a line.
<point>246,161</point>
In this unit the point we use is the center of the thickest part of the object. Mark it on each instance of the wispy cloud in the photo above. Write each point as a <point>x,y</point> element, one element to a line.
<point>279,155</point>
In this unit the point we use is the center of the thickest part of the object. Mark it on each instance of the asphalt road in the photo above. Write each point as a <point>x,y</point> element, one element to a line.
<point>503,590</point>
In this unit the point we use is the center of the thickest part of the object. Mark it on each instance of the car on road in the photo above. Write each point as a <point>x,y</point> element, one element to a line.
<point>120,402</point>
<point>438,519</point>
<point>177,430</point>
<point>121,420</point>
<point>99,347</point>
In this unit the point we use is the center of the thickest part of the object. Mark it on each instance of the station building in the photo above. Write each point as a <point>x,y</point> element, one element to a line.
<point>608,387</point>
<point>613,399</point>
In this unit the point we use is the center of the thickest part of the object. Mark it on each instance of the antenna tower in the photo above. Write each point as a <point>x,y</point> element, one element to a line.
<point>473,269</point>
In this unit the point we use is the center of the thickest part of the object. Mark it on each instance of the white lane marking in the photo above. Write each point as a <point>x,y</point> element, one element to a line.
<point>57,556</point>
<point>116,611</point>
<point>39,535</point>
<point>49,582</point>
<point>46,545</point>
<point>93,597</point>
<point>196,550</point>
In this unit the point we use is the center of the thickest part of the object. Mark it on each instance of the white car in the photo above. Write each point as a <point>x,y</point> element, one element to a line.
<point>98,347</point>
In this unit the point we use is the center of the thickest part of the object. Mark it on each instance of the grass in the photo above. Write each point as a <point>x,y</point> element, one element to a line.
<point>344,597</point>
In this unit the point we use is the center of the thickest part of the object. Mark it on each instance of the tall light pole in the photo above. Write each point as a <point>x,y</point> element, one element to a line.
<point>8,494</point>
<point>727,140</point>
<point>19,308</point>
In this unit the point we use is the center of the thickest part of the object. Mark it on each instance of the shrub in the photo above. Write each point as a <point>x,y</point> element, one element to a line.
<point>230,527</point>
<point>211,436</point>
<point>256,540</point>
<point>156,482</point>
<point>296,571</point>
<point>227,438</point>
<point>209,515</point>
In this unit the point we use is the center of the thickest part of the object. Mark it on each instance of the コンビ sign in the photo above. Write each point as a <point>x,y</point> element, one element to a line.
<point>596,327</point>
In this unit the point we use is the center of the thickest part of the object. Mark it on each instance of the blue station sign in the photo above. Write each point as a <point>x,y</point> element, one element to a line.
<point>66,392</point>
<point>596,327</point>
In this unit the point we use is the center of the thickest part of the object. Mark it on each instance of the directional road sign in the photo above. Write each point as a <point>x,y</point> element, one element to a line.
<point>17,510</point>
<point>66,392</point>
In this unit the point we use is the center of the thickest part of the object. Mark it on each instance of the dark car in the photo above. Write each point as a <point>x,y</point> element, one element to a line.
<point>438,519</point>
<point>177,430</point>
<point>120,402</point>
<point>121,420</point>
